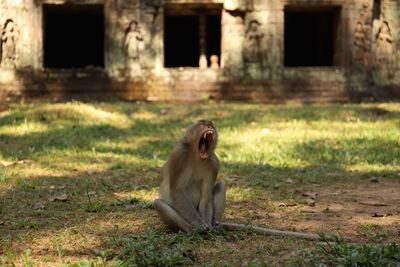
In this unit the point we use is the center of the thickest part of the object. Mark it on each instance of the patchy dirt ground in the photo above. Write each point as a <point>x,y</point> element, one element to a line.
<point>340,209</point>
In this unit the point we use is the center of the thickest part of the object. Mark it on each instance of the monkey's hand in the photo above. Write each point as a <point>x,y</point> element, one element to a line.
<point>202,228</point>
<point>216,224</point>
<point>201,225</point>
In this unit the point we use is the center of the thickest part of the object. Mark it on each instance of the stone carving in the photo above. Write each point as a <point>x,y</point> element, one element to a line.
<point>232,5</point>
<point>366,13</point>
<point>384,50</point>
<point>128,4</point>
<point>252,45</point>
<point>362,35</point>
<point>152,8</point>
<point>214,62</point>
<point>8,47</point>
<point>203,61</point>
<point>133,43</point>
<point>12,3</point>
<point>238,5</point>
<point>359,42</point>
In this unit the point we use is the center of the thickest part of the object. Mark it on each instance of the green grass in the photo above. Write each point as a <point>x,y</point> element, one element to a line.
<point>106,158</point>
<point>343,254</point>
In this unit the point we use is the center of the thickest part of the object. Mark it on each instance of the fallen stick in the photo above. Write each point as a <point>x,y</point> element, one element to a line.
<point>269,231</point>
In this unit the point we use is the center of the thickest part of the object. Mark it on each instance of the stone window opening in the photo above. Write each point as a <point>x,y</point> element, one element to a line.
<point>312,36</point>
<point>376,11</point>
<point>192,36</point>
<point>73,36</point>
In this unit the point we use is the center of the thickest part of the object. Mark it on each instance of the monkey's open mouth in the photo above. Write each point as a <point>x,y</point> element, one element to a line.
<point>205,142</point>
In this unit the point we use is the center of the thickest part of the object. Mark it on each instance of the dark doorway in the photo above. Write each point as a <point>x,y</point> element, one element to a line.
<point>310,36</point>
<point>213,37</point>
<point>184,25</point>
<point>73,36</point>
<point>181,41</point>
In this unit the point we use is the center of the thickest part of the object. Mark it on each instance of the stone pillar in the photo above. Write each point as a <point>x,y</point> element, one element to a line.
<point>232,42</point>
<point>260,47</point>
<point>122,23</point>
<point>202,42</point>
<point>16,35</point>
<point>385,44</point>
<point>152,21</point>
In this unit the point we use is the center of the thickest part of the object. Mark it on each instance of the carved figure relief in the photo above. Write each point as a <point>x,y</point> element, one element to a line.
<point>366,13</point>
<point>133,43</point>
<point>384,50</point>
<point>252,45</point>
<point>362,35</point>
<point>8,44</point>
<point>232,5</point>
<point>359,43</point>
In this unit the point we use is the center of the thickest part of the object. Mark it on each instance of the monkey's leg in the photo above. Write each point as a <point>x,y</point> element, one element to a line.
<point>170,217</point>
<point>219,201</point>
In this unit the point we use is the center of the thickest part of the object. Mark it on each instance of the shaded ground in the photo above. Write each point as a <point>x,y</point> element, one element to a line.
<point>76,178</point>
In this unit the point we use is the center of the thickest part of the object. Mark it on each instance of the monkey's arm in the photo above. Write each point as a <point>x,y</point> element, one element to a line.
<point>206,209</point>
<point>206,205</point>
<point>179,172</point>
<point>185,208</point>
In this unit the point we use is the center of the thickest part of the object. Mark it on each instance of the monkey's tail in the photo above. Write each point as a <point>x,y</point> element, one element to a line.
<point>269,231</point>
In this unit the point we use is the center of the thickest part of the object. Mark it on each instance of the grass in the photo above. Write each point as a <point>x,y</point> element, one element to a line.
<point>342,254</point>
<point>104,158</point>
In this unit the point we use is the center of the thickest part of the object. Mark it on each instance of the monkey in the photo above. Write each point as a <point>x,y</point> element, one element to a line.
<point>190,198</point>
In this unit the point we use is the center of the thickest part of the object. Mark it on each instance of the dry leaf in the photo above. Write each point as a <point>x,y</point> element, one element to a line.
<point>60,197</point>
<point>10,163</point>
<point>38,206</point>
<point>373,203</point>
<point>377,215</point>
<point>330,194</point>
<point>374,180</point>
<point>53,187</point>
<point>310,202</point>
<point>163,111</point>
<point>307,211</point>
<point>289,181</point>
<point>130,207</point>
<point>312,195</point>
<point>6,163</point>
<point>90,172</point>
<point>287,204</point>
<point>2,222</point>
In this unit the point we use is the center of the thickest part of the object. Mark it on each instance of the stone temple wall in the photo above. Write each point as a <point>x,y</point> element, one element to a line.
<point>188,50</point>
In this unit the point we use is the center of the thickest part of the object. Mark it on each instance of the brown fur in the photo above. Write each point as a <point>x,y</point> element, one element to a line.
<point>190,199</point>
